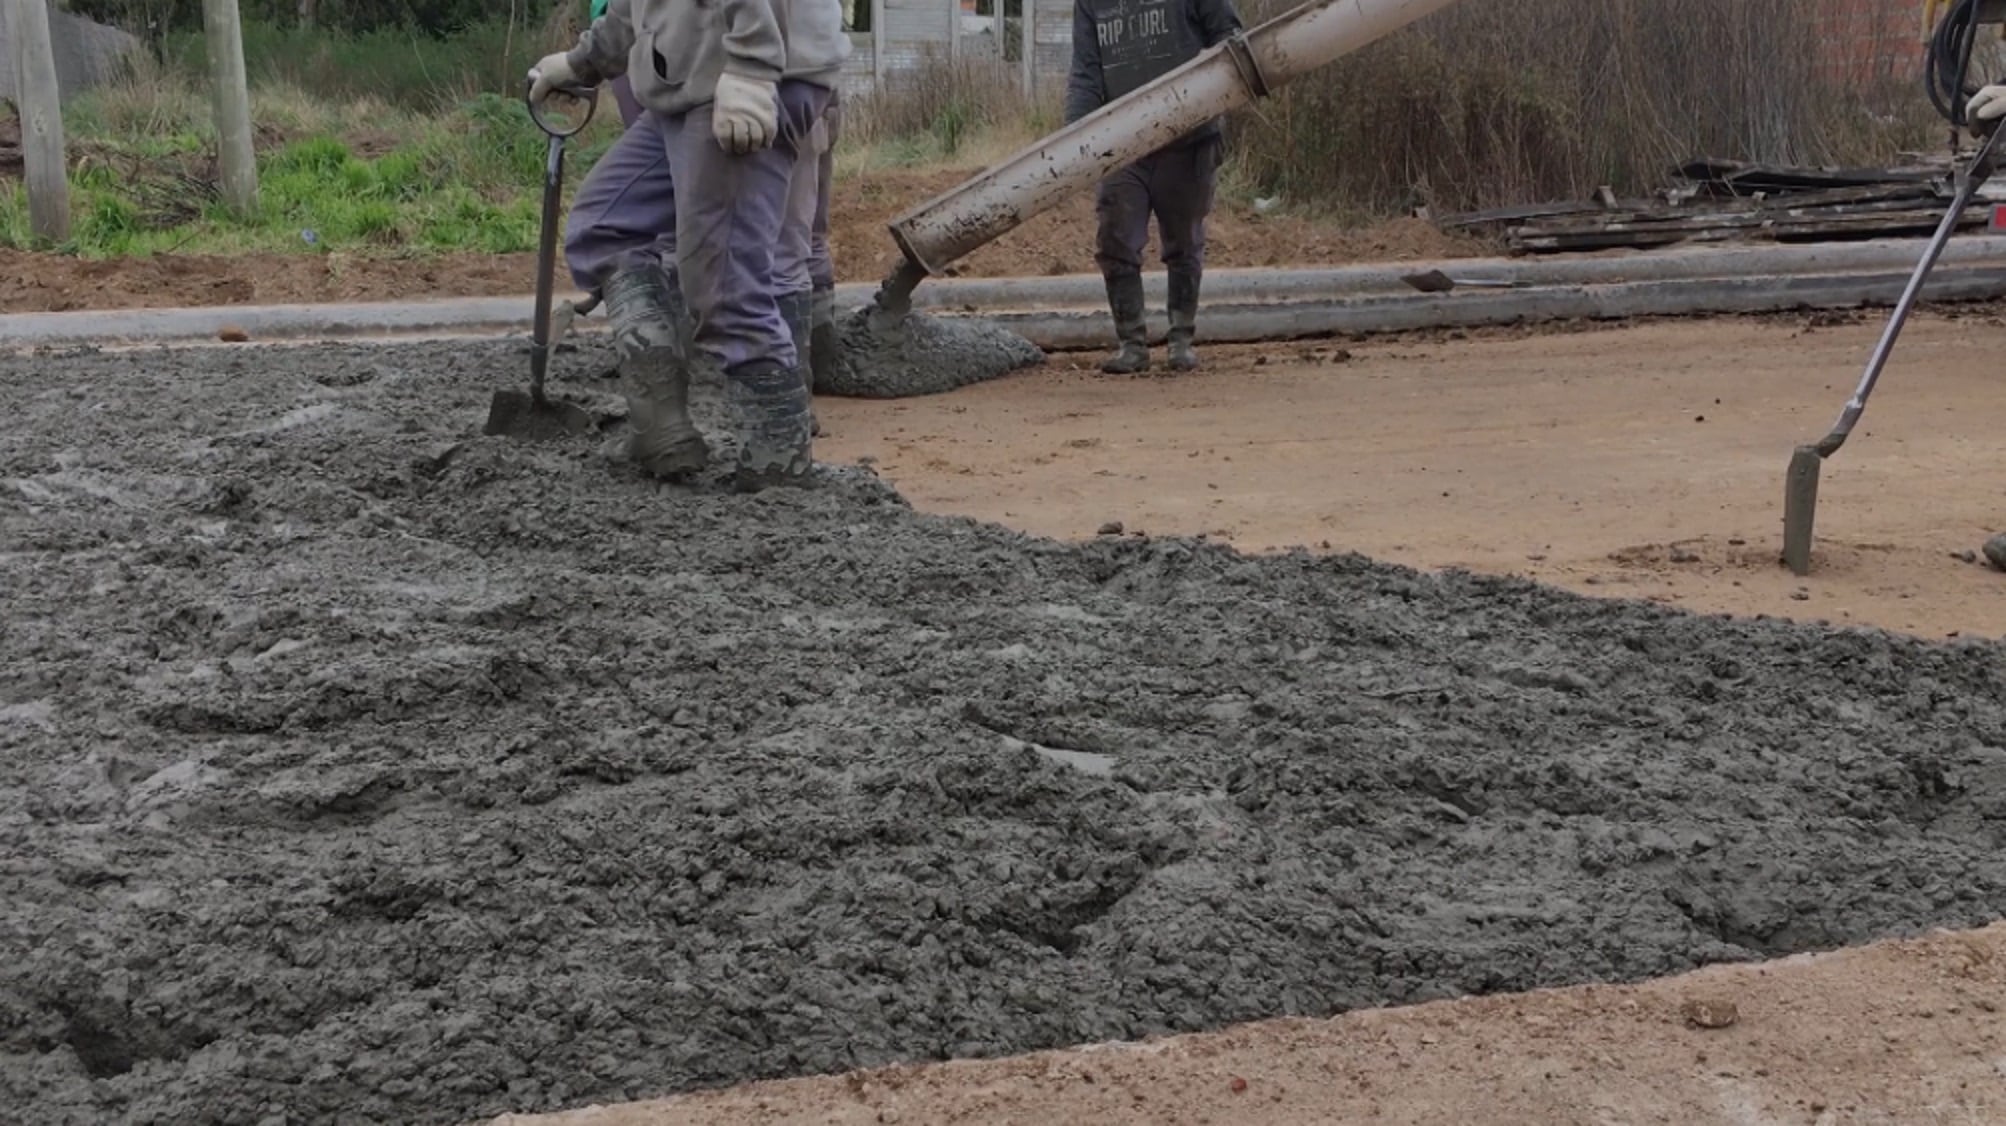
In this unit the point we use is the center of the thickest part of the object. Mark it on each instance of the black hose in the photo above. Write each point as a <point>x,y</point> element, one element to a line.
<point>1947,60</point>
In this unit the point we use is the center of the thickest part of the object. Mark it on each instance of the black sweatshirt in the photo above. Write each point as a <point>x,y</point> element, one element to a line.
<point>1122,45</point>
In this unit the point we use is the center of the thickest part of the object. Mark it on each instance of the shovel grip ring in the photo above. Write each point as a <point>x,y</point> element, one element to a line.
<point>585,94</point>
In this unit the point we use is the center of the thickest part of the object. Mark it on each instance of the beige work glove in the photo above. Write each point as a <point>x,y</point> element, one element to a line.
<point>1988,104</point>
<point>746,114</point>
<point>551,73</point>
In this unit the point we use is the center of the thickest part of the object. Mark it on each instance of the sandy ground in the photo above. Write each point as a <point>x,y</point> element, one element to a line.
<point>1896,1034</point>
<point>1644,461</point>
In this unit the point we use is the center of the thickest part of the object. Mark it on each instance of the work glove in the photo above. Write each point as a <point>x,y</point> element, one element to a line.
<point>746,116</point>
<point>552,73</point>
<point>1988,104</point>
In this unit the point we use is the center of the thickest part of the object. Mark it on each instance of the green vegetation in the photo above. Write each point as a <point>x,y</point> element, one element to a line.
<point>408,137</point>
<point>359,170</point>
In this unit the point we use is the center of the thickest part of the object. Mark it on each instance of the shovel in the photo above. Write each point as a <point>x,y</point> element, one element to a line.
<point>1800,484</point>
<point>534,416</point>
<point>1435,281</point>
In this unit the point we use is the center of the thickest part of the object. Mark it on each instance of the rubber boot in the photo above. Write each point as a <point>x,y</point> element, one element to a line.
<point>643,305</point>
<point>777,435</point>
<point>825,345</point>
<point>1183,321</point>
<point>1124,298</point>
<point>797,309</point>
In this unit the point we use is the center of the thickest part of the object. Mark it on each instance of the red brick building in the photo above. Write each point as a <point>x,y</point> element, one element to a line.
<point>1868,40</point>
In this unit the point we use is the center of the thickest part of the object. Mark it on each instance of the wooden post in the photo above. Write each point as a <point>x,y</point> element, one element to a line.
<point>1027,46</point>
<point>233,105</point>
<point>40,106</point>
<point>954,34</point>
<point>879,40</point>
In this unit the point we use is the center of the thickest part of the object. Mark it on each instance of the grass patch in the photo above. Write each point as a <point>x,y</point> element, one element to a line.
<point>360,176</point>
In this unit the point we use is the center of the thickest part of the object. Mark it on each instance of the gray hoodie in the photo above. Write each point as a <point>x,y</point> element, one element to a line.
<point>1120,46</point>
<point>672,51</point>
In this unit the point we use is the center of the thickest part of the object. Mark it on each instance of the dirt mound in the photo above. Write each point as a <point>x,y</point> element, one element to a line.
<point>1061,241</point>
<point>1058,242</point>
<point>356,767</point>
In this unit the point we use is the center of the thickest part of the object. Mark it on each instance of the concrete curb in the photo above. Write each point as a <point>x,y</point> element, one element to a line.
<point>1240,305</point>
<point>1064,330</point>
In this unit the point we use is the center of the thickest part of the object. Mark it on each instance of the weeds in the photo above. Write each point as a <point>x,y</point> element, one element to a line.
<point>398,140</point>
<point>1493,104</point>
<point>377,179</point>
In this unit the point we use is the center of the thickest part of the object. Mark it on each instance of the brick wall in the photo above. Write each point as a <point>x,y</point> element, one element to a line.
<point>1865,40</point>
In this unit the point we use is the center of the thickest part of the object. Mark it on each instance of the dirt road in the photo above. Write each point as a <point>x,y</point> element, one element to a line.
<point>1643,461</point>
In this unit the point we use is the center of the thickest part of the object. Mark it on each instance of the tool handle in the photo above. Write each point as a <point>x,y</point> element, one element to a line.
<point>1968,181</point>
<point>546,265</point>
<point>584,94</point>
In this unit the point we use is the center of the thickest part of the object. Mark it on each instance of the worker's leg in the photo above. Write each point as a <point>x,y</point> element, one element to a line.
<point>729,215</point>
<point>1122,207</point>
<point>823,341</point>
<point>1181,194</point>
<point>793,261</point>
<point>622,224</point>
<point>624,211</point>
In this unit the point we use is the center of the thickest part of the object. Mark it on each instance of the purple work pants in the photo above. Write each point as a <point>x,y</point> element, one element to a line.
<point>623,96</point>
<point>1176,185</point>
<point>795,264</point>
<point>667,194</point>
<point>821,263</point>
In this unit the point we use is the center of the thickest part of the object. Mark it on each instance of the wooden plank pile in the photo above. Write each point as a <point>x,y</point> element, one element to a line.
<point>1726,200</point>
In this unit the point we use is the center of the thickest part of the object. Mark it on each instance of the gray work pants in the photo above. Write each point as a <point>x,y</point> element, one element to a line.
<point>1177,186</point>
<point>667,194</point>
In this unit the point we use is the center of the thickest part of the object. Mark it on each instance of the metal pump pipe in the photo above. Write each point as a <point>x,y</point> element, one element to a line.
<point>1236,73</point>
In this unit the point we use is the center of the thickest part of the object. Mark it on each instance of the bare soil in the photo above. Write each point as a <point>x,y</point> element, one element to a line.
<point>1643,461</point>
<point>1058,242</point>
<point>1894,1034</point>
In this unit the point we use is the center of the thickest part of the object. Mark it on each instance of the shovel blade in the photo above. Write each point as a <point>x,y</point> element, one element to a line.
<point>517,414</point>
<point>1800,508</point>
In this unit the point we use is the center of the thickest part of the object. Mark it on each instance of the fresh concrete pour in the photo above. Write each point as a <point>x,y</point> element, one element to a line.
<point>922,355</point>
<point>355,767</point>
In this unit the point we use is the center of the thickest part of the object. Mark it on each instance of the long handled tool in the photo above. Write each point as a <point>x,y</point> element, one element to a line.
<point>535,416</point>
<point>1800,488</point>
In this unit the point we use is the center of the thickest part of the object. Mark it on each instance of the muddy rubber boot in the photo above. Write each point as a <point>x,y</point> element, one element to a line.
<point>1183,321</point>
<point>776,444</point>
<point>1124,298</point>
<point>798,310</point>
<point>825,344</point>
<point>642,306</point>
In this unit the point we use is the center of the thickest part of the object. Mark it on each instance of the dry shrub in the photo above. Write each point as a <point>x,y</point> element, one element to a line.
<point>1488,104</point>
<point>942,105</point>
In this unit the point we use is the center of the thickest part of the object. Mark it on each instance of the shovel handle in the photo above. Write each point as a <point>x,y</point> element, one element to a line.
<point>546,265</point>
<point>584,94</point>
<point>1968,181</point>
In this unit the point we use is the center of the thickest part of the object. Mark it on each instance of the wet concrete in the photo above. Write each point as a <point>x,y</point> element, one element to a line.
<point>923,355</point>
<point>356,767</point>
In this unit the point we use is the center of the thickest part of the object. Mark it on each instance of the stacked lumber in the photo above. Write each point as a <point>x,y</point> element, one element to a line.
<point>1724,200</point>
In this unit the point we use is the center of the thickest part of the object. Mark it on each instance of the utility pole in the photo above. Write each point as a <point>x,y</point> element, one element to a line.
<point>41,110</point>
<point>233,105</point>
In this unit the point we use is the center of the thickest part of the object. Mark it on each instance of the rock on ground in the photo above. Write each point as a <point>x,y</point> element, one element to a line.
<point>357,767</point>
